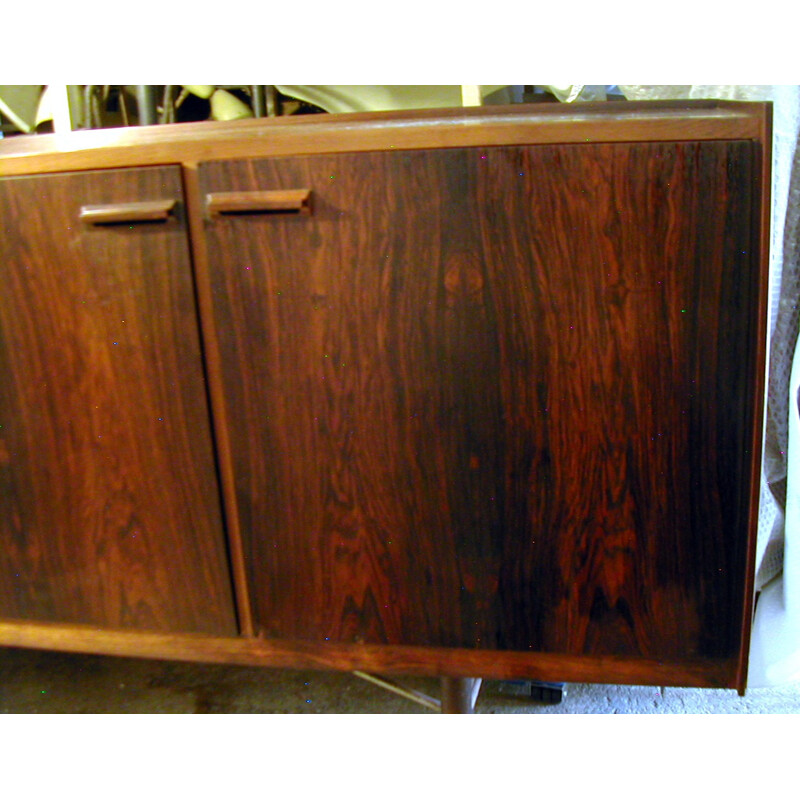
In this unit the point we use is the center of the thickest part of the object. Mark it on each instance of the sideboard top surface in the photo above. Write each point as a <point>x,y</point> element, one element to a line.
<point>189,143</point>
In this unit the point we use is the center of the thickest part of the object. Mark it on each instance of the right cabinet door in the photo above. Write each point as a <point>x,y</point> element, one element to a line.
<point>496,398</point>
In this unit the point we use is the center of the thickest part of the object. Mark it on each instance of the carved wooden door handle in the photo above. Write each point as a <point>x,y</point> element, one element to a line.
<point>275,201</point>
<point>116,213</point>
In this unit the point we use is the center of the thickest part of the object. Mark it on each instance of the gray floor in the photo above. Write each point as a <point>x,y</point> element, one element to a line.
<point>34,682</point>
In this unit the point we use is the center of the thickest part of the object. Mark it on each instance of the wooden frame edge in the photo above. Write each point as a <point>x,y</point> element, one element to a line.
<point>430,128</point>
<point>385,659</point>
<point>761,239</point>
<point>216,397</point>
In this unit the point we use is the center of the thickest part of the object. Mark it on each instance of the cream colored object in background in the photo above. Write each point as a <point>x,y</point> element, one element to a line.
<point>343,99</point>
<point>20,105</point>
<point>203,91</point>
<point>54,107</point>
<point>471,95</point>
<point>29,106</point>
<point>226,106</point>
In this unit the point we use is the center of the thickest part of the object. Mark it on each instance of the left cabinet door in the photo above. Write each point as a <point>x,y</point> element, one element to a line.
<point>109,506</point>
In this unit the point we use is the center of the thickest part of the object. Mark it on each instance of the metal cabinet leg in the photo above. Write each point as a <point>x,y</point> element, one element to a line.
<point>459,695</point>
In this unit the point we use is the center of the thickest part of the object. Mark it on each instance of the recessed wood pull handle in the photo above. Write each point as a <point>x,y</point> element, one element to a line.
<point>114,213</point>
<point>276,201</point>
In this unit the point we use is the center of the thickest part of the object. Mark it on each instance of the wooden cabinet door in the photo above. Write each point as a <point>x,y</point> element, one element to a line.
<point>494,398</point>
<point>109,509</point>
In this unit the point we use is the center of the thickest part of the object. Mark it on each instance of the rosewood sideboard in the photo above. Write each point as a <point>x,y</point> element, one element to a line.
<point>461,393</point>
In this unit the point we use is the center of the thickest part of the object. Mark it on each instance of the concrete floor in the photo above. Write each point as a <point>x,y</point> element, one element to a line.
<point>34,682</point>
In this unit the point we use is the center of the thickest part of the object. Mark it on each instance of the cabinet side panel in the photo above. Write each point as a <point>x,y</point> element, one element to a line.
<point>110,510</point>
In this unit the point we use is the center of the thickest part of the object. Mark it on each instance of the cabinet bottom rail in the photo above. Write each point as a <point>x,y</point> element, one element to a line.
<point>386,659</point>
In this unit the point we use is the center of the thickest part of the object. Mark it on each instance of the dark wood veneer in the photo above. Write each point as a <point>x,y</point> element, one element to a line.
<point>495,398</point>
<point>333,133</point>
<point>492,408</point>
<point>110,510</point>
<point>386,659</point>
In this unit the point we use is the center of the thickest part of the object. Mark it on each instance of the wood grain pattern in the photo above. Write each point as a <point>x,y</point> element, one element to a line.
<point>761,233</point>
<point>116,213</point>
<point>110,508</point>
<point>384,659</point>
<point>283,201</point>
<point>495,398</point>
<point>454,127</point>
<point>216,392</point>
